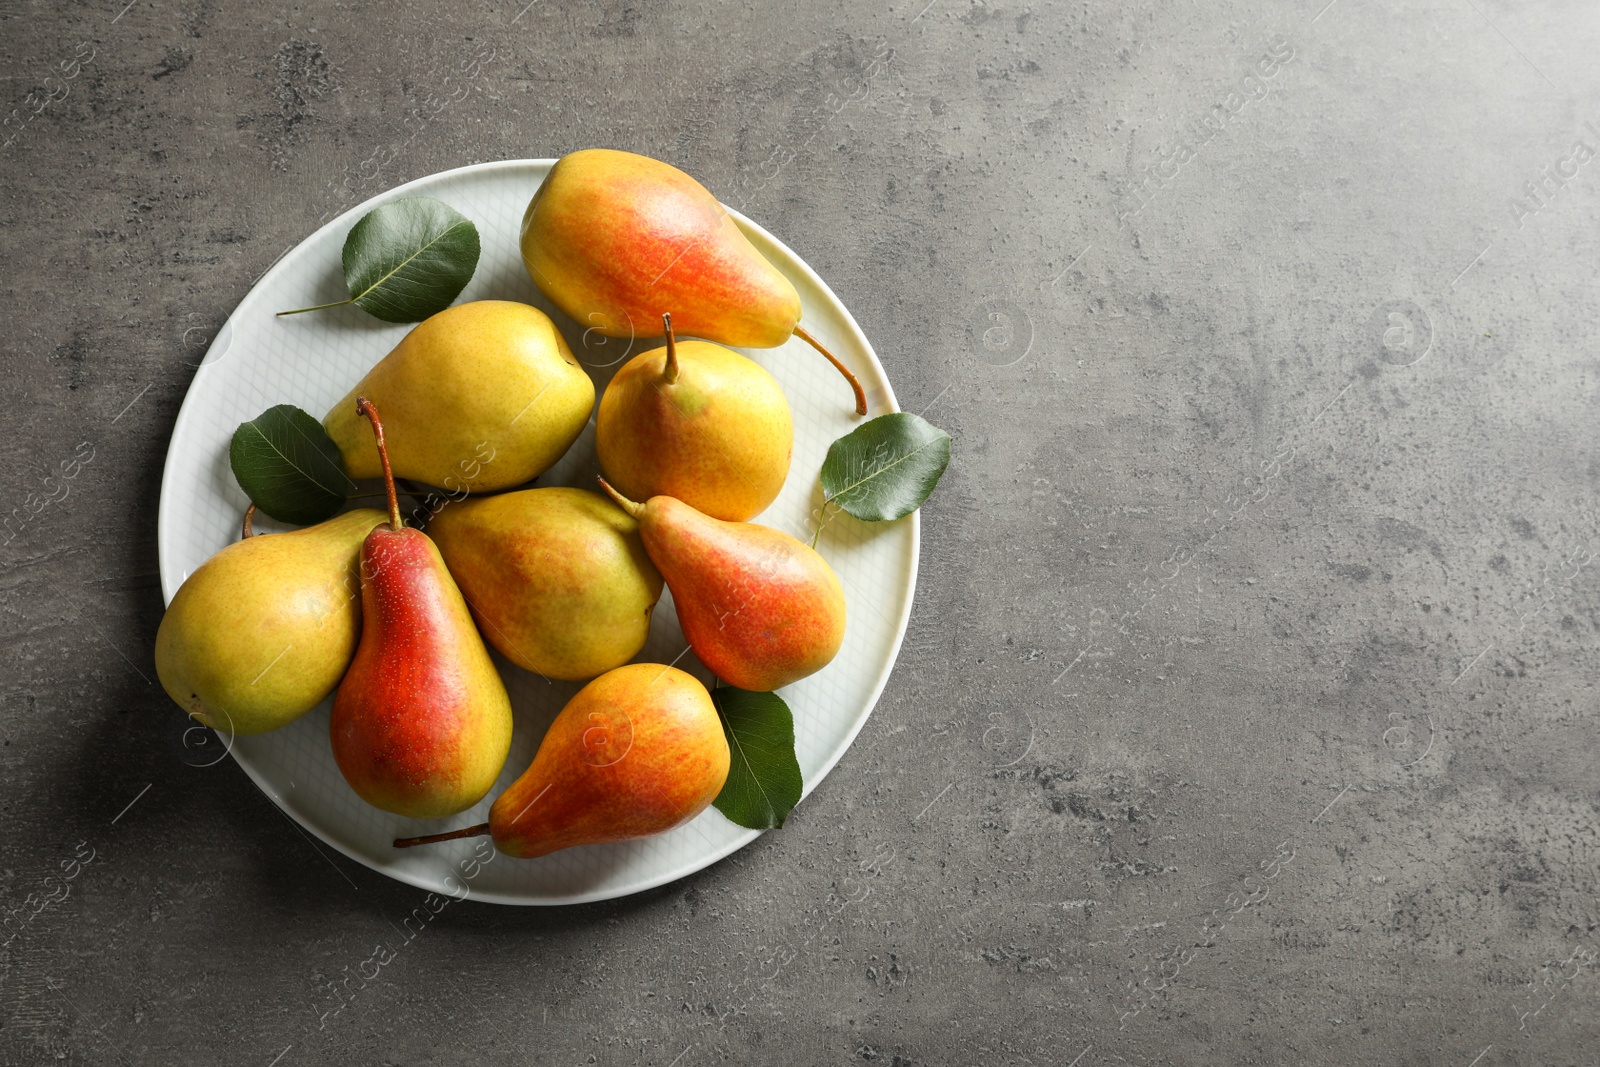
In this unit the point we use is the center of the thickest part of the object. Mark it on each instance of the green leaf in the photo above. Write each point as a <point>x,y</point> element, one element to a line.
<point>763,775</point>
<point>289,466</point>
<point>886,467</point>
<point>407,259</point>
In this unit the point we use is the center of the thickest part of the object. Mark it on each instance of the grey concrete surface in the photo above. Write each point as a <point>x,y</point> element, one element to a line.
<point>1247,712</point>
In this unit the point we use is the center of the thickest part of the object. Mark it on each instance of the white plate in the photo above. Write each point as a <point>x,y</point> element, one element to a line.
<point>312,360</point>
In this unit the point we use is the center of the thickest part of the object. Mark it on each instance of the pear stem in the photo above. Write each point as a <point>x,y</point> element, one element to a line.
<point>247,531</point>
<point>636,510</point>
<point>670,375</point>
<point>380,496</point>
<point>861,396</point>
<point>365,407</point>
<point>432,839</point>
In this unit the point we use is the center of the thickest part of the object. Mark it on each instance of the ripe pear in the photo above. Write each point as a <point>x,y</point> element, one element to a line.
<point>421,724</point>
<point>262,632</point>
<point>481,396</point>
<point>698,422</point>
<point>616,239</point>
<point>759,608</point>
<point>637,751</point>
<point>556,578</point>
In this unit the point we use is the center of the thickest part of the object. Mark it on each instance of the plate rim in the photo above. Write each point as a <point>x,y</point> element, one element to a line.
<point>698,863</point>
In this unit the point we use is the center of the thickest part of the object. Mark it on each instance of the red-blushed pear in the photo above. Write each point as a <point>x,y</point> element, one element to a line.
<point>698,422</point>
<point>637,751</point>
<point>616,240</point>
<point>421,724</point>
<point>760,608</point>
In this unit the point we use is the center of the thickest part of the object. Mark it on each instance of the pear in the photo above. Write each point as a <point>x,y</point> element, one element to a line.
<point>262,632</point>
<point>481,396</point>
<point>421,724</point>
<point>616,239</point>
<point>556,578</point>
<point>758,607</point>
<point>698,422</point>
<point>637,751</point>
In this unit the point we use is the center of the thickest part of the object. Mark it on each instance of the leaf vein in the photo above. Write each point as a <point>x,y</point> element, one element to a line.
<point>290,460</point>
<point>880,471</point>
<point>401,265</point>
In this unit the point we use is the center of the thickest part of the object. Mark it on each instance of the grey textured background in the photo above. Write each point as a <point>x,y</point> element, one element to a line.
<point>1246,711</point>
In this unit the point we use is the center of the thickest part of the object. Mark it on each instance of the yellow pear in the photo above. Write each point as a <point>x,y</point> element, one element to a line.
<point>481,396</point>
<point>262,632</point>
<point>557,578</point>
<point>697,422</point>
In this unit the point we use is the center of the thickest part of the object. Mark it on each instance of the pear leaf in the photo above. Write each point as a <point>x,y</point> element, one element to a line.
<point>288,466</point>
<point>407,259</point>
<point>886,467</point>
<point>764,781</point>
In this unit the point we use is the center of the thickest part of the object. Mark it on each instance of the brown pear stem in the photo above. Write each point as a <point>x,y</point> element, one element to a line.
<point>636,510</point>
<point>248,531</point>
<point>861,396</point>
<point>365,407</point>
<point>433,839</point>
<point>671,373</point>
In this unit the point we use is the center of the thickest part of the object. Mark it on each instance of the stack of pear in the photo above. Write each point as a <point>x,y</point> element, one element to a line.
<point>616,240</point>
<point>636,752</point>
<point>486,396</point>
<point>421,724</point>
<point>698,422</point>
<point>262,632</point>
<point>481,396</point>
<point>557,578</point>
<point>759,608</point>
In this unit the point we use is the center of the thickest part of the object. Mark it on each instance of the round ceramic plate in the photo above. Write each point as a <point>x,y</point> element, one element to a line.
<point>312,360</point>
